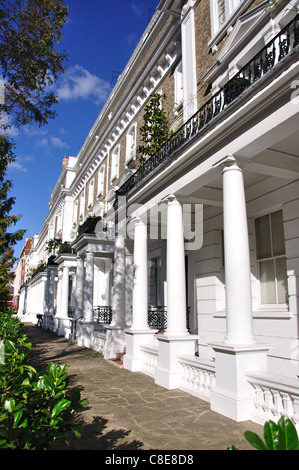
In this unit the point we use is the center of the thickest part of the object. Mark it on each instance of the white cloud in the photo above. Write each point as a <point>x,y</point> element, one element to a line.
<point>32,131</point>
<point>18,164</point>
<point>79,83</point>
<point>42,142</point>
<point>57,142</point>
<point>52,142</point>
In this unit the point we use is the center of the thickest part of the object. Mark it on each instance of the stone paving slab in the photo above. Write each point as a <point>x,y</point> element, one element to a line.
<point>128,411</point>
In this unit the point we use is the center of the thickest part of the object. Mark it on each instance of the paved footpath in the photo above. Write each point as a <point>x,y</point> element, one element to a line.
<point>128,411</point>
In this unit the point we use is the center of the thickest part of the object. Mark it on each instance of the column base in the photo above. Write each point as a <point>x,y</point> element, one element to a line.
<point>48,322</point>
<point>63,327</point>
<point>135,339</point>
<point>85,333</point>
<point>115,342</point>
<point>169,371</point>
<point>233,396</point>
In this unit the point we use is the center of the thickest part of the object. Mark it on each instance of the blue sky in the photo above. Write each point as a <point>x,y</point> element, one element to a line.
<point>99,38</point>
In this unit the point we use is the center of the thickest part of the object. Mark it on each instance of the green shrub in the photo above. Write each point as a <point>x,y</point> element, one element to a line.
<point>36,409</point>
<point>280,436</point>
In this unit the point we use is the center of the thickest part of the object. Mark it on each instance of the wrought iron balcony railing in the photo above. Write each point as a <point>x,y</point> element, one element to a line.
<point>277,49</point>
<point>157,318</point>
<point>102,315</point>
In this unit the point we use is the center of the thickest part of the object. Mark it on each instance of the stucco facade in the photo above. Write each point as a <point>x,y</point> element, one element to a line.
<point>187,267</point>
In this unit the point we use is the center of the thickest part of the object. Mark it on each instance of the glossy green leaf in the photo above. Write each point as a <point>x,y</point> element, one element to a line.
<point>59,407</point>
<point>270,435</point>
<point>287,435</point>
<point>255,440</point>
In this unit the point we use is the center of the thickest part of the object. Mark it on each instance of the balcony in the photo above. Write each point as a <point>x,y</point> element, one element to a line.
<point>282,45</point>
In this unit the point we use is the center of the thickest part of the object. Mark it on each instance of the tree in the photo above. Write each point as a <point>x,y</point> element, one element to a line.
<point>7,239</point>
<point>30,64</point>
<point>154,130</point>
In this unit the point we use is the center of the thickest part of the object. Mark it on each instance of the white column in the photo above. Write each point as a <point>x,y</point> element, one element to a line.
<point>118,291</point>
<point>140,287</point>
<point>176,340</point>
<point>88,287</point>
<point>64,292</point>
<point>50,300</point>
<point>139,333</point>
<point>176,280</point>
<point>79,287</point>
<point>115,339</point>
<point>59,289</point>
<point>239,353</point>
<point>237,261</point>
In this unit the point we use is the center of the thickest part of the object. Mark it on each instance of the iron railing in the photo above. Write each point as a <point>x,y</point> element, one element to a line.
<point>102,315</point>
<point>157,318</point>
<point>276,50</point>
<point>71,312</point>
<point>89,226</point>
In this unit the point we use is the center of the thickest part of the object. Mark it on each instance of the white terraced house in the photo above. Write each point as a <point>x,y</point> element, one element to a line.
<point>186,266</point>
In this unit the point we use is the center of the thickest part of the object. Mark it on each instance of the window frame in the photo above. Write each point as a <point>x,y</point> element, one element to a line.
<point>130,144</point>
<point>233,8</point>
<point>101,181</point>
<point>258,261</point>
<point>115,157</point>
<point>91,187</point>
<point>178,85</point>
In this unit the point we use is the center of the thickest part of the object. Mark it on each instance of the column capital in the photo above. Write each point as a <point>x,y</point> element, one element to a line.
<point>230,162</point>
<point>139,220</point>
<point>170,199</point>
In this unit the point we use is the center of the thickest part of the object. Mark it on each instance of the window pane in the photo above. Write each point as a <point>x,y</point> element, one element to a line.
<point>278,244</point>
<point>281,276</point>
<point>267,279</point>
<point>263,241</point>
